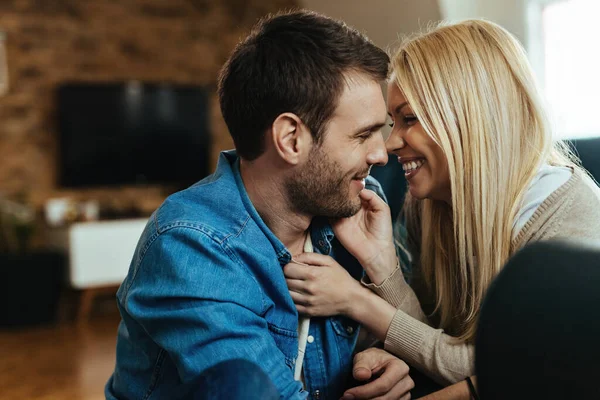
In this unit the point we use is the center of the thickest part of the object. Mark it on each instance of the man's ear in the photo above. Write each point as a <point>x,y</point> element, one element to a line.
<point>291,138</point>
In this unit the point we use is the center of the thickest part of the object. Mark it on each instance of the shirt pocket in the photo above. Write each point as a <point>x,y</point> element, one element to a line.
<point>287,342</point>
<point>345,333</point>
<point>344,327</point>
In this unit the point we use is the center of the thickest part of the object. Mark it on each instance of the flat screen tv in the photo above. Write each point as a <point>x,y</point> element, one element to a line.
<point>132,134</point>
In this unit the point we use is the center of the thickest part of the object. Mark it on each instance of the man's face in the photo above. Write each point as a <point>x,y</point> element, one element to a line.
<point>329,182</point>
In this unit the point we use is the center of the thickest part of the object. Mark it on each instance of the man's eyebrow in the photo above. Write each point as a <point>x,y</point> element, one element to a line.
<point>368,128</point>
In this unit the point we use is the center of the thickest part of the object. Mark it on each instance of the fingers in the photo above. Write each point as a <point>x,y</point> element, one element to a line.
<point>314,259</point>
<point>304,304</point>
<point>365,363</point>
<point>400,391</point>
<point>378,387</point>
<point>394,381</point>
<point>296,285</point>
<point>362,374</point>
<point>371,201</point>
<point>296,271</point>
<point>371,198</point>
<point>300,299</point>
<point>389,385</point>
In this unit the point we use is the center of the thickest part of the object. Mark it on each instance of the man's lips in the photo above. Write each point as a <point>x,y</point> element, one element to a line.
<point>363,176</point>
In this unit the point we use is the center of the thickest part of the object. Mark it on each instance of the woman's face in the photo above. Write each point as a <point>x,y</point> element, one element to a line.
<point>424,163</point>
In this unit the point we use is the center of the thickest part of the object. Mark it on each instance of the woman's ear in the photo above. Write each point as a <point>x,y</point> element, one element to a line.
<point>291,138</point>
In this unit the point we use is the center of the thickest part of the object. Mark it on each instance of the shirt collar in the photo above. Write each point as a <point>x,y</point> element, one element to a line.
<point>321,234</point>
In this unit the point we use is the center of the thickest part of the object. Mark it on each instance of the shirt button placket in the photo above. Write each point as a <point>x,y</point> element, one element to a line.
<point>316,394</point>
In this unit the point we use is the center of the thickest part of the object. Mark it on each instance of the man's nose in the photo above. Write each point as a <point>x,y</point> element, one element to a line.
<point>378,153</point>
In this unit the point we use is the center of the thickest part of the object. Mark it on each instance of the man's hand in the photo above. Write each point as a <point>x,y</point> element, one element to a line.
<point>386,376</point>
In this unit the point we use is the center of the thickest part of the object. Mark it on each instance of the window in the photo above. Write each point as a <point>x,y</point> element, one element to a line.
<point>571,32</point>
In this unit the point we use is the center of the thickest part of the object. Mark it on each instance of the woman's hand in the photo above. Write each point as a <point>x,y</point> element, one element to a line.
<point>319,286</point>
<point>367,235</point>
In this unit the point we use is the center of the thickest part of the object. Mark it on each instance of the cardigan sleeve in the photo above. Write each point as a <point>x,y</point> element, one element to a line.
<point>442,357</point>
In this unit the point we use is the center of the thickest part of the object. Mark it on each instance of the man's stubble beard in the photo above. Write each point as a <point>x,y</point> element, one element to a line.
<point>321,188</point>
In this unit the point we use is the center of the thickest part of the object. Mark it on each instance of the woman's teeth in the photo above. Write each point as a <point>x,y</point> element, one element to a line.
<point>411,166</point>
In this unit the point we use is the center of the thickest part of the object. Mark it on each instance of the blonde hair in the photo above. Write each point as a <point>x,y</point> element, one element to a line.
<point>472,89</point>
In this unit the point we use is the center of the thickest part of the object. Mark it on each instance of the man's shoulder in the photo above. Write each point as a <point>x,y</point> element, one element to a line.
<point>194,234</point>
<point>212,205</point>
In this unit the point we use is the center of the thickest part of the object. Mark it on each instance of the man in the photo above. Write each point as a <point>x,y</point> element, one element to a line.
<point>302,100</point>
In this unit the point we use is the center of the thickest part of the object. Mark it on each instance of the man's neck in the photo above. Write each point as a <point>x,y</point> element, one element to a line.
<point>268,197</point>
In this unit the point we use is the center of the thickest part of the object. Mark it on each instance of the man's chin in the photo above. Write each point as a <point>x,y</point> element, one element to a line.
<point>345,211</point>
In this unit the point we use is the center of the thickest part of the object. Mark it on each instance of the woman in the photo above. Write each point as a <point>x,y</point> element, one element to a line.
<point>485,178</point>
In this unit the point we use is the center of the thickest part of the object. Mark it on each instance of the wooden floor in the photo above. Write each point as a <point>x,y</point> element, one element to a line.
<point>61,362</point>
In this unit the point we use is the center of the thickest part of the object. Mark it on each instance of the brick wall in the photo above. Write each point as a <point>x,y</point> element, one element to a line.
<point>52,41</point>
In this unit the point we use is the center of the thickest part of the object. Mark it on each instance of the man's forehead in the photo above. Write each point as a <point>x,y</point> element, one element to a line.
<point>361,100</point>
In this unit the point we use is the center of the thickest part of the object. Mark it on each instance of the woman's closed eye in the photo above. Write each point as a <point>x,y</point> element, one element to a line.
<point>409,120</point>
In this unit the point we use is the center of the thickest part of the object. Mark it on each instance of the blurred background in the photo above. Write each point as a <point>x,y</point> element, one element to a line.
<point>108,106</point>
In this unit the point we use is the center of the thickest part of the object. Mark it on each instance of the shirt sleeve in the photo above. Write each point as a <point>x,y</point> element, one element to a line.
<point>202,307</point>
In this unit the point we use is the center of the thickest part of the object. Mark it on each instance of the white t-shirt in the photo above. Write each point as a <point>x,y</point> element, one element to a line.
<point>303,326</point>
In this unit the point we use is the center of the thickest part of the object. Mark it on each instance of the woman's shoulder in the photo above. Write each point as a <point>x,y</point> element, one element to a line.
<point>586,198</point>
<point>586,184</point>
<point>572,210</point>
<point>581,192</point>
<point>581,216</point>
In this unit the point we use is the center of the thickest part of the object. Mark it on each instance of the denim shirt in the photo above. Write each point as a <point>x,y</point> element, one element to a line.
<point>206,285</point>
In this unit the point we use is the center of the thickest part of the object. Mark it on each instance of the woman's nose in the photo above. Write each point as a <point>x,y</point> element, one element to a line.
<point>394,142</point>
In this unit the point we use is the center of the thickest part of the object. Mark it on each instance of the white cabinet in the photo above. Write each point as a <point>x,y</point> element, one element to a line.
<point>99,256</point>
<point>100,252</point>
